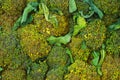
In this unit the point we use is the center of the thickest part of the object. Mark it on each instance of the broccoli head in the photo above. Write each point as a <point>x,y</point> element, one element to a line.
<point>55,74</point>
<point>13,7</point>
<point>57,57</point>
<point>32,42</point>
<point>60,4</point>
<point>80,70</point>
<point>111,68</point>
<point>112,43</point>
<point>77,49</point>
<point>7,22</point>
<point>47,28</point>
<point>37,71</point>
<point>94,34</point>
<point>108,7</point>
<point>17,74</point>
<point>11,54</point>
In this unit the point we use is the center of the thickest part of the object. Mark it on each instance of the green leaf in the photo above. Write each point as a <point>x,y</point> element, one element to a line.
<point>50,18</point>
<point>72,6</point>
<point>94,8</point>
<point>32,6</point>
<point>59,40</point>
<point>80,23</point>
<point>26,17</point>
<point>96,56</point>
<point>70,54</point>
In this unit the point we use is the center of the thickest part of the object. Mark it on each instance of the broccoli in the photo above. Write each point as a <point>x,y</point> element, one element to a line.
<point>112,43</point>
<point>47,28</point>
<point>37,71</point>
<point>79,49</point>
<point>80,70</point>
<point>17,74</point>
<point>94,34</point>
<point>55,74</point>
<point>32,42</point>
<point>13,7</point>
<point>57,57</point>
<point>111,68</point>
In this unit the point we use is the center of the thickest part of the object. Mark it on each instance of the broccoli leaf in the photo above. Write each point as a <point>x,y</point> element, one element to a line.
<point>70,54</point>
<point>17,24</point>
<point>50,18</point>
<point>26,17</point>
<point>72,6</point>
<point>96,58</point>
<point>94,8</point>
<point>59,40</point>
<point>81,23</point>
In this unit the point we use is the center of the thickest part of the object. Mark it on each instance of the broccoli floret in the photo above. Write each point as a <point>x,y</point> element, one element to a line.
<point>11,54</point>
<point>112,43</point>
<point>32,42</point>
<point>47,28</point>
<point>80,70</point>
<point>7,22</point>
<point>17,74</point>
<point>76,47</point>
<point>60,4</point>
<point>37,71</point>
<point>57,57</point>
<point>108,7</point>
<point>111,68</point>
<point>55,74</point>
<point>94,34</point>
<point>13,7</point>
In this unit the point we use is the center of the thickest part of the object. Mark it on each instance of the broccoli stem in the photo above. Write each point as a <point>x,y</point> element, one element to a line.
<point>102,52</point>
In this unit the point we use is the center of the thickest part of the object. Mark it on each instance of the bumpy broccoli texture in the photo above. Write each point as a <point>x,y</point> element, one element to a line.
<point>57,57</point>
<point>80,70</point>
<point>33,43</point>
<point>17,74</point>
<point>94,34</point>
<point>113,45</point>
<point>59,40</point>
<point>37,71</point>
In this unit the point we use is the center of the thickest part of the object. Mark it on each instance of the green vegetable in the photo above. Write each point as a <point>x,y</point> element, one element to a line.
<point>32,6</point>
<point>102,53</point>
<point>18,23</point>
<point>80,23</point>
<point>59,40</point>
<point>70,54</point>
<point>96,58</point>
<point>50,18</point>
<point>114,26</point>
<point>94,8</point>
<point>72,6</point>
<point>26,17</point>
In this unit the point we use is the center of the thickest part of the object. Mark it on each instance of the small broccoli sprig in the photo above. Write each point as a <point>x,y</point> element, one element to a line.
<point>94,8</point>
<point>80,23</point>
<point>99,59</point>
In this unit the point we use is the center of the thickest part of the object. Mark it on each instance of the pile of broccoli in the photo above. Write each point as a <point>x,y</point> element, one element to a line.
<point>59,40</point>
